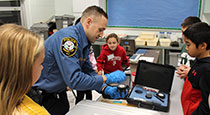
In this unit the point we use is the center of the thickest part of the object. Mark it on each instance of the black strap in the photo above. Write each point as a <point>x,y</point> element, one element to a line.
<point>36,95</point>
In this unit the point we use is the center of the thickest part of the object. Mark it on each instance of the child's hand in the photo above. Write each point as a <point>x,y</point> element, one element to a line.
<point>182,71</point>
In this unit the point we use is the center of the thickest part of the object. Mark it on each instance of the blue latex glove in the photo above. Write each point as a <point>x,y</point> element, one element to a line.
<point>115,77</point>
<point>113,93</point>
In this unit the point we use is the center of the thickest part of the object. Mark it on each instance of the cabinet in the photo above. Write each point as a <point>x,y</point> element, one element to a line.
<point>10,12</point>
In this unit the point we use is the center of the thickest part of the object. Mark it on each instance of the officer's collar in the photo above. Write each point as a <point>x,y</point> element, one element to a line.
<point>84,39</point>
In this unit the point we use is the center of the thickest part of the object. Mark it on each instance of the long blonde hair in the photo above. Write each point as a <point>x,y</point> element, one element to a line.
<point>19,48</point>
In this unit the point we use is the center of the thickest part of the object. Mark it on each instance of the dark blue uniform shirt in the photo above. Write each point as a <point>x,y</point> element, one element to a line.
<point>67,62</point>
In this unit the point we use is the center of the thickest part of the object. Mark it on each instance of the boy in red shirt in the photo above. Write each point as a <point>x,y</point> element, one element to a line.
<point>197,39</point>
<point>112,55</point>
<point>190,97</point>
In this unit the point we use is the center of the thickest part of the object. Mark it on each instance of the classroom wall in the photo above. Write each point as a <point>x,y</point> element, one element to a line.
<point>63,7</point>
<point>80,5</point>
<point>37,11</point>
<point>206,6</point>
<point>206,18</point>
<point>206,11</point>
<point>42,10</point>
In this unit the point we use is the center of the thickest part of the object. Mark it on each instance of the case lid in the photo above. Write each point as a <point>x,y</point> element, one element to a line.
<point>155,75</point>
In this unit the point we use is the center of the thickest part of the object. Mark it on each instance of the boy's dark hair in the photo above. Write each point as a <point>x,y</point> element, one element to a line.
<point>199,33</point>
<point>112,35</point>
<point>189,21</point>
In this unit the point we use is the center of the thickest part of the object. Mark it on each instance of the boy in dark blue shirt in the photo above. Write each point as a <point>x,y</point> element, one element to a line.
<point>197,39</point>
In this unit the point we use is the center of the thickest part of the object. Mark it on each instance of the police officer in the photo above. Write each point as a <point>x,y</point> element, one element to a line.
<point>67,63</point>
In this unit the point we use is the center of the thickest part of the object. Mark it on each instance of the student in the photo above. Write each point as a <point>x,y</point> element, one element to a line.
<point>112,55</point>
<point>186,61</point>
<point>188,105</point>
<point>197,39</point>
<point>67,64</point>
<point>21,57</point>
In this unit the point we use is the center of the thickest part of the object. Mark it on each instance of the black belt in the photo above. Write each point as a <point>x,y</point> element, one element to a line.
<point>39,94</point>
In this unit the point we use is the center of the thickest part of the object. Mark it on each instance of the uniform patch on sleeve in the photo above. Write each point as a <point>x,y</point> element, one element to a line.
<point>69,46</point>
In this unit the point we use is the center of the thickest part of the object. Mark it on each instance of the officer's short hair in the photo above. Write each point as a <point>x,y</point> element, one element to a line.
<point>199,33</point>
<point>93,11</point>
<point>189,21</point>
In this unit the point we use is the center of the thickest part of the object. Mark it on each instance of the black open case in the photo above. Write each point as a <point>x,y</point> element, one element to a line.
<point>152,86</point>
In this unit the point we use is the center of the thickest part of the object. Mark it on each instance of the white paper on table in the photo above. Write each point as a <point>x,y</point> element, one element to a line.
<point>148,59</point>
<point>174,37</point>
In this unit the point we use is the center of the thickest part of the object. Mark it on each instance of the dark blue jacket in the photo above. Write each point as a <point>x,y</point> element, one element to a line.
<point>67,62</point>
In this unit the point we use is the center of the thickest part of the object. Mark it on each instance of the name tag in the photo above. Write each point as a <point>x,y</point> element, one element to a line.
<point>111,56</point>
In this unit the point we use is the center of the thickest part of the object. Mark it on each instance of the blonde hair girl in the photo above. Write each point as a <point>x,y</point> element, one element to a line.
<point>19,51</point>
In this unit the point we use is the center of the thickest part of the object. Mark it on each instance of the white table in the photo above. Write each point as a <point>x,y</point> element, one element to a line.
<point>87,107</point>
<point>175,97</point>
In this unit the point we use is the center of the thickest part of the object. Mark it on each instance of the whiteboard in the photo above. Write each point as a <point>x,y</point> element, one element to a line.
<point>166,14</point>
